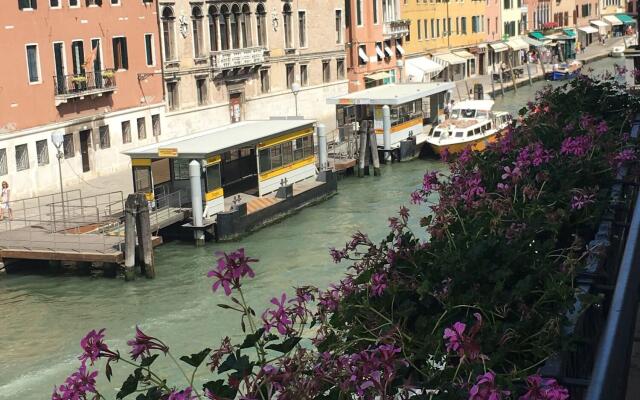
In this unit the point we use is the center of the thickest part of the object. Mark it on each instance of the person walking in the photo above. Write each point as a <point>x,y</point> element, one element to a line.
<point>4,201</point>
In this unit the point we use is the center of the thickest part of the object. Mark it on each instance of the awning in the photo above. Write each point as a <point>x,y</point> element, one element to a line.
<point>499,46</point>
<point>449,59</point>
<point>363,55</point>
<point>612,20</point>
<point>399,48</point>
<point>379,51</point>
<point>537,35</point>
<point>420,68</point>
<point>533,42</point>
<point>569,32</point>
<point>464,54</point>
<point>377,76</point>
<point>626,19</point>
<point>599,23</point>
<point>388,50</point>
<point>588,29</point>
<point>392,94</point>
<point>517,44</point>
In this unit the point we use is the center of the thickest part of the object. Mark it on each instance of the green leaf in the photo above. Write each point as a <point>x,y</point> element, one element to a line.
<point>196,359</point>
<point>147,361</point>
<point>129,386</point>
<point>285,346</point>
<point>252,339</point>
<point>153,393</point>
<point>220,390</point>
<point>235,363</point>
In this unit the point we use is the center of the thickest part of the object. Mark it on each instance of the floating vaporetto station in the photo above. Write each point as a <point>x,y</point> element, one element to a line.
<point>237,177</point>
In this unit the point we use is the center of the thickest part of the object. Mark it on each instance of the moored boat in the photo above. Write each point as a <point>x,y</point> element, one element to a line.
<point>564,71</point>
<point>472,123</point>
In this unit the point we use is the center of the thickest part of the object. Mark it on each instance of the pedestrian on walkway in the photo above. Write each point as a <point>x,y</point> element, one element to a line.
<point>4,201</point>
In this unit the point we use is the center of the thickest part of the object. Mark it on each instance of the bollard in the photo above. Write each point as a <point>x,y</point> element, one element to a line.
<point>143,227</point>
<point>130,210</point>
<point>321,131</point>
<point>364,127</point>
<point>386,127</point>
<point>195,177</point>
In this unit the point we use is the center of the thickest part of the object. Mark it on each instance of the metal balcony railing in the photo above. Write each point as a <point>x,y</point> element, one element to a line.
<point>396,28</point>
<point>76,85</point>
<point>237,58</point>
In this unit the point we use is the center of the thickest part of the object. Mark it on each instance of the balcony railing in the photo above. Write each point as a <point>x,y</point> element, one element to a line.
<point>79,85</point>
<point>397,28</point>
<point>237,58</point>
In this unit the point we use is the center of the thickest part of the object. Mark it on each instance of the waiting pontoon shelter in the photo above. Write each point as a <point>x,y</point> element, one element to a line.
<point>252,157</point>
<point>413,107</point>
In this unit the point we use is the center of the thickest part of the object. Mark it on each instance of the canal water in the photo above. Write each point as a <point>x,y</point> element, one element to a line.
<point>44,316</point>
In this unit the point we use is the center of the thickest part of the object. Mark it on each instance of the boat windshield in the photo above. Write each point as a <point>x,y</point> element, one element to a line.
<point>463,113</point>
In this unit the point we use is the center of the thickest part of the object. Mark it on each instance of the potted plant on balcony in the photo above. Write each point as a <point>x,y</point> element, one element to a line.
<point>108,76</point>
<point>79,82</point>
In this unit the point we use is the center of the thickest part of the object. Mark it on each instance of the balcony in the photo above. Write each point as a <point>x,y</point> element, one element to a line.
<point>237,58</point>
<point>397,28</point>
<point>94,83</point>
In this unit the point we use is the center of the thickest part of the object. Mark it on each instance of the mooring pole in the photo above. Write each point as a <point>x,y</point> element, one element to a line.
<point>130,210</point>
<point>373,143</point>
<point>362,156</point>
<point>513,75</point>
<point>386,129</point>
<point>195,176</point>
<point>323,158</point>
<point>143,227</point>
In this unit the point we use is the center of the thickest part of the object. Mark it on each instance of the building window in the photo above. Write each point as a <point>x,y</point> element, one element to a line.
<point>286,20</point>
<point>105,138</point>
<point>245,26</point>
<point>77,55</point>
<point>302,26</point>
<point>120,57</point>
<point>419,32</point>
<point>172,95</point>
<point>27,4</point>
<point>290,75</point>
<point>155,124</point>
<point>304,75</point>
<point>33,63</point>
<point>54,3</point>
<point>196,22</point>
<point>264,81</point>
<point>338,26</point>
<point>261,25</point>
<point>233,27</point>
<point>93,3</point>
<point>74,3</point>
<point>222,23</point>
<point>340,68</point>
<point>168,33</point>
<point>359,12</point>
<point>363,59</point>
<point>115,2</point>
<point>379,51</point>
<point>213,30</point>
<point>68,146</point>
<point>201,91</point>
<point>463,25</point>
<point>126,132</point>
<point>142,128</point>
<point>42,151</point>
<point>4,168</point>
<point>326,71</point>
<point>22,157</point>
<point>375,11</point>
<point>148,46</point>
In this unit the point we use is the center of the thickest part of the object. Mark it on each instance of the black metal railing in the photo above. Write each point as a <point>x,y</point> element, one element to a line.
<point>81,83</point>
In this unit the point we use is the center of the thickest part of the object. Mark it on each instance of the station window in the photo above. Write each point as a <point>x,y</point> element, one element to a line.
<point>214,181</point>
<point>285,153</point>
<point>180,169</point>
<point>42,151</point>
<point>142,179</point>
<point>22,157</point>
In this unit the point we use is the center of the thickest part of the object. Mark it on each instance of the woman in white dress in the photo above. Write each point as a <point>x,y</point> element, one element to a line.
<point>4,201</point>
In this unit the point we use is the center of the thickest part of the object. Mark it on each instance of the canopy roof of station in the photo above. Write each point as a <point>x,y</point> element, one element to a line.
<point>392,94</point>
<point>219,140</point>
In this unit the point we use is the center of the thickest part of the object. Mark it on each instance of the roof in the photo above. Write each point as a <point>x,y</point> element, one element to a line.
<point>537,35</point>
<point>499,46</point>
<point>532,41</point>
<point>626,19</point>
<point>569,32</point>
<point>215,141</point>
<point>612,20</point>
<point>464,54</point>
<point>474,104</point>
<point>418,67</point>
<point>392,94</point>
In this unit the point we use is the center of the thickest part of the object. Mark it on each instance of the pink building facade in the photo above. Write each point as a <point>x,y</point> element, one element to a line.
<point>494,22</point>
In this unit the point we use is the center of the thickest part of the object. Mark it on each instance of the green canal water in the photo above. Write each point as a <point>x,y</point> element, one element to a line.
<point>43,317</point>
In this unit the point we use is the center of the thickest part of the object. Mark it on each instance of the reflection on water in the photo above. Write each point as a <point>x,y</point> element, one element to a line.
<point>44,316</point>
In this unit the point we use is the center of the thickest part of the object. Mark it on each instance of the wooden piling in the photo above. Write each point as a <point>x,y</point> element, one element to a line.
<point>529,73</point>
<point>364,127</point>
<point>513,75</point>
<point>143,227</point>
<point>373,143</point>
<point>467,87</point>
<point>493,87</point>
<point>130,209</point>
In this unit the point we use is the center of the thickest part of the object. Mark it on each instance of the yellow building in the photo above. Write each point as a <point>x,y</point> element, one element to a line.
<point>450,34</point>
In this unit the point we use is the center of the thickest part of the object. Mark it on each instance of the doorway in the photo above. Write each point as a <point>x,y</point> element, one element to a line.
<point>235,107</point>
<point>85,142</point>
<point>481,66</point>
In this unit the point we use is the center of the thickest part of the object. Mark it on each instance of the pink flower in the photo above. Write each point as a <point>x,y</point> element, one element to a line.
<point>512,173</point>
<point>230,269</point>
<point>577,146</point>
<point>486,389</point>
<point>461,343</point>
<point>278,318</point>
<point>142,344</point>
<point>581,200</point>
<point>454,336</point>
<point>544,389</point>
<point>623,157</point>
<point>378,284</point>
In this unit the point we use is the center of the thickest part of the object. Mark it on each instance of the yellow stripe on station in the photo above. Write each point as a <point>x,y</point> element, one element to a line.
<point>141,162</point>
<point>213,160</point>
<point>288,168</point>
<point>286,138</point>
<point>402,126</point>
<point>214,194</point>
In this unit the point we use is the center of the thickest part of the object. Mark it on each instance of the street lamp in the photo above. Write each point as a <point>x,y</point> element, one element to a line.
<point>295,89</point>
<point>57,138</point>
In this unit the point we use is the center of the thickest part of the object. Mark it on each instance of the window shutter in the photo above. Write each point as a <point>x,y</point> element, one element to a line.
<point>34,4</point>
<point>22,4</point>
<point>125,56</point>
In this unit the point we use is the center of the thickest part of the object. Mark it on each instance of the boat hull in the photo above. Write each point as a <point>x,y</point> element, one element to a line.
<point>476,145</point>
<point>561,76</point>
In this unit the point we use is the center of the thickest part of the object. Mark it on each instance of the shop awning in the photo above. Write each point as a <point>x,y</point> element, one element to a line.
<point>499,46</point>
<point>379,51</point>
<point>400,49</point>
<point>464,54</point>
<point>569,32</point>
<point>533,42</point>
<point>421,67</point>
<point>363,55</point>
<point>626,19</point>
<point>449,59</point>
<point>612,20</point>
<point>377,76</point>
<point>388,50</point>
<point>536,35</point>
<point>392,94</point>
<point>588,29</point>
<point>599,23</point>
<point>216,141</point>
<point>517,44</point>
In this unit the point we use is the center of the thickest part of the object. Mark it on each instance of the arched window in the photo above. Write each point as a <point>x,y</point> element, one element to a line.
<point>245,26</point>
<point>198,42</point>
<point>288,33</point>
<point>224,32</point>
<point>168,34</point>
<point>234,26</point>
<point>261,25</point>
<point>213,29</point>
